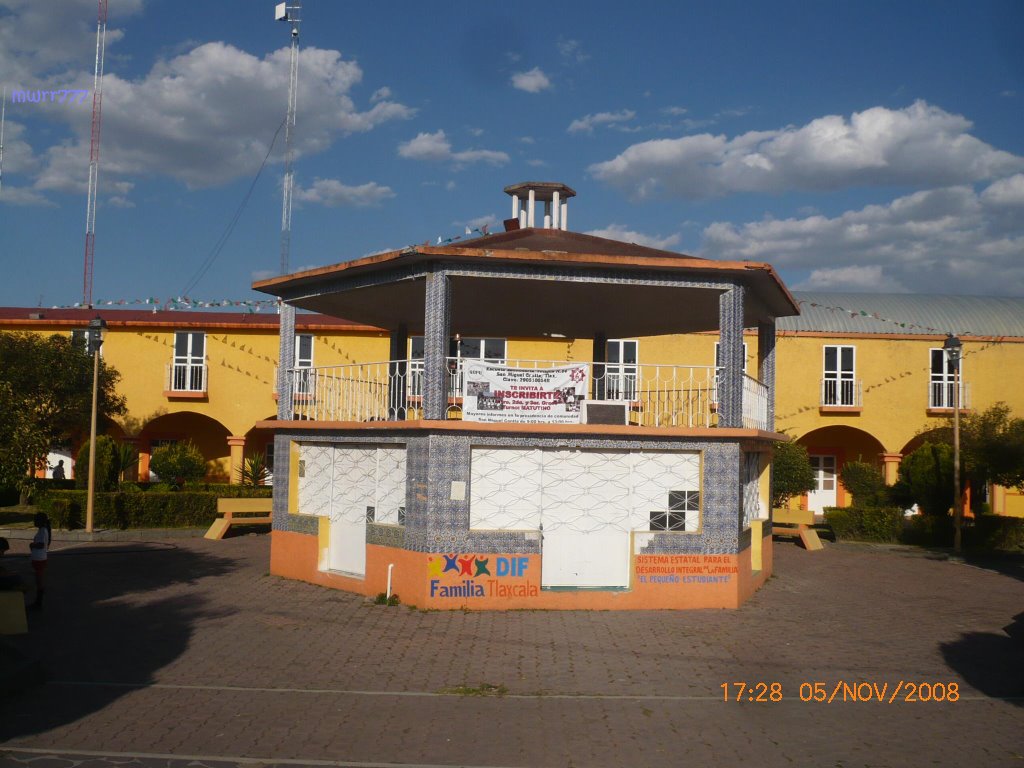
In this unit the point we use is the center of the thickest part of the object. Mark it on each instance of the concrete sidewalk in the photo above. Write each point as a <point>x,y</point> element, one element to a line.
<point>162,653</point>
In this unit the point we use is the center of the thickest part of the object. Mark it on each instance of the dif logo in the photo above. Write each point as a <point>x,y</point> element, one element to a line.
<point>511,566</point>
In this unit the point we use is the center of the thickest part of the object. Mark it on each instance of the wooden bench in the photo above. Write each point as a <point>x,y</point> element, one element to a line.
<point>239,512</point>
<point>12,612</point>
<point>796,522</point>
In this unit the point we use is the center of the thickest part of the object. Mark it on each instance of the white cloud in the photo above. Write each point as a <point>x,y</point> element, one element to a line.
<point>1006,192</point>
<point>572,50</point>
<point>533,81</point>
<point>119,201</point>
<point>675,111</point>
<point>936,241</point>
<point>449,186</point>
<point>619,232</point>
<point>920,144</point>
<point>490,221</point>
<point>331,193</point>
<point>23,196</point>
<point>381,94</point>
<point>869,278</point>
<point>42,43</point>
<point>207,117</point>
<point>586,123</point>
<point>435,147</point>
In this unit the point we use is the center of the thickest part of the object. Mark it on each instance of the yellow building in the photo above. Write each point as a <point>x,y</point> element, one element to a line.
<point>859,376</point>
<point>864,377</point>
<point>203,376</point>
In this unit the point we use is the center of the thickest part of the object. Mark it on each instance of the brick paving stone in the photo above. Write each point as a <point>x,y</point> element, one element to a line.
<point>189,647</point>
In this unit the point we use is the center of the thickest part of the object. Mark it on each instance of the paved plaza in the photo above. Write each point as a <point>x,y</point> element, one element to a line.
<point>187,652</point>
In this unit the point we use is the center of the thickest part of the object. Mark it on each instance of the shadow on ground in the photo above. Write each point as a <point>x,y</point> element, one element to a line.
<point>991,662</point>
<point>105,621</point>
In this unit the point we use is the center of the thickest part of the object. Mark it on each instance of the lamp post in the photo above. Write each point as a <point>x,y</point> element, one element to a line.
<point>953,348</point>
<point>97,326</point>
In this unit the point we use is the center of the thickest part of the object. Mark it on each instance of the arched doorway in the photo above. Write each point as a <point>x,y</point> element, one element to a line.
<point>829,448</point>
<point>208,435</point>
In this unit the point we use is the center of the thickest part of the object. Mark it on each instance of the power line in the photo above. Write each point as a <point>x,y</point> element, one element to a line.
<point>222,241</point>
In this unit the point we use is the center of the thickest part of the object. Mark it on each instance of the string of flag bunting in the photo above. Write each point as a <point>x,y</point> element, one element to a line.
<point>855,313</point>
<point>176,303</point>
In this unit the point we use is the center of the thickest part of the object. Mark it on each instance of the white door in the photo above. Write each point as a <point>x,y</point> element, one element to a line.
<point>586,519</point>
<point>824,494</point>
<point>355,476</point>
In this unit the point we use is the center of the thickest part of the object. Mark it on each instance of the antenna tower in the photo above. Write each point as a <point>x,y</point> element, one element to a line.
<point>291,12</point>
<point>3,117</point>
<point>94,152</point>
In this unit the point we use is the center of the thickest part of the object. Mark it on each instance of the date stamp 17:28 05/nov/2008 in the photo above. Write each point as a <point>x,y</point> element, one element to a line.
<point>903,691</point>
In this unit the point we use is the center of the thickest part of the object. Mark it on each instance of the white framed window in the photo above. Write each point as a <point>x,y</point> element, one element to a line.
<point>189,373</point>
<point>303,359</point>
<point>718,356</point>
<point>621,369</point>
<point>839,375</point>
<point>942,380</point>
<point>491,350</point>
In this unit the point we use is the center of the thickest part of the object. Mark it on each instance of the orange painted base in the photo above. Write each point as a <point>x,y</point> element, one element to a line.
<point>509,581</point>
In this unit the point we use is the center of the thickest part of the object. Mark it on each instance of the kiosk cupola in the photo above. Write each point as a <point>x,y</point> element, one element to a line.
<point>527,194</point>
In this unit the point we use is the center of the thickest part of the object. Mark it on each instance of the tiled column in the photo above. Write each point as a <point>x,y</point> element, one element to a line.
<point>730,379</point>
<point>766,365</point>
<point>285,406</point>
<point>236,445</point>
<point>436,331</point>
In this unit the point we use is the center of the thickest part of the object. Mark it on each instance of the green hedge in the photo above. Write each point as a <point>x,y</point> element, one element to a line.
<point>865,524</point>
<point>929,530</point>
<point>152,509</point>
<point>996,533</point>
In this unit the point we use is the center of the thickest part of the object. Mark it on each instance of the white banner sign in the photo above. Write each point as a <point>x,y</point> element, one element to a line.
<point>495,393</point>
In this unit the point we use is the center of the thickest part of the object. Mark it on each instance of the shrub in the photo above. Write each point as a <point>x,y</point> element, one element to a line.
<point>178,463</point>
<point>865,482</point>
<point>152,509</point>
<point>106,464</point>
<point>929,530</point>
<point>997,533</point>
<point>926,479</point>
<point>865,523</point>
<point>792,474</point>
<point>8,496</point>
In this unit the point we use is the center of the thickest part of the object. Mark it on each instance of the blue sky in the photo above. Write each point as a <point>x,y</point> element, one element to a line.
<point>870,146</point>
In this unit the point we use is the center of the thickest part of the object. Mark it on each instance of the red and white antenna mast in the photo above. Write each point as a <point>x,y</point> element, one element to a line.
<point>291,12</point>
<point>94,152</point>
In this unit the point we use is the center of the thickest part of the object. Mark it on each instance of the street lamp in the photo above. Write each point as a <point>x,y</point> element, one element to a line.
<point>954,348</point>
<point>97,327</point>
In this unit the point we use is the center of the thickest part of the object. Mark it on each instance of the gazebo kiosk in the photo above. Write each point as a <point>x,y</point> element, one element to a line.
<point>469,480</point>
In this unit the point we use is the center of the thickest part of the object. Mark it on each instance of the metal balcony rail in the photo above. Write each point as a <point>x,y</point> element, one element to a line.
<point>942,394</point>
<point>186,377</point>
<point>841,392</point>
<point>656,395</point>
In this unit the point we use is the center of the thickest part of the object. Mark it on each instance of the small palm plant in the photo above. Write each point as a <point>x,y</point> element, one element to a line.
<point>254,470</point>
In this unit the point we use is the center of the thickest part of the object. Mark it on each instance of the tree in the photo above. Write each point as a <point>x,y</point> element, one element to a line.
<point>865,483</point>
<point>178,463</point>
<point>46,398</point>
<point>792,474</point>
<point>992,444</point>
<point>926,479</point>
<point>106,467</point>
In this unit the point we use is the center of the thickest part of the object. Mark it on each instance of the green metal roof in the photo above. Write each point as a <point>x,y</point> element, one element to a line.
<point>906,313</point>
